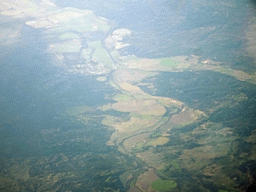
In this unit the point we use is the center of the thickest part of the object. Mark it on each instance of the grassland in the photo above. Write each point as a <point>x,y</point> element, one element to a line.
<point>69,35</point>
<point>78,110</point>
<point>71,46</point>
<point>100,54</point>
<point>131,88</point>
<point>103,78</point>
<point>163,185</point>
<point>138,146</point>
<point>146,114</point>
<point>135,124</point>
<point>122,97</point>
<point>158,141</point>
<point>86,54</point>
<point>141,116</point>
<point>168,62</point>
<point>144,107</point>
<point>168,102</point>
<point>74,20</point>
<point>108,120</point>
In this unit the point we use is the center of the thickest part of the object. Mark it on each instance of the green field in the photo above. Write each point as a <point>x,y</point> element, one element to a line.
<point>122,97</point>
<point>100,54</point>
<point>69,35</point>
<point>141,116</point>
<point>71,46</point>
<point>163,185</point>
<point>158,141</point>
<point>168,62</point>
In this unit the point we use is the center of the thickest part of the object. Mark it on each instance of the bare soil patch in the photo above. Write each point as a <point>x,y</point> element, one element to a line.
<point>131,142</point>
<point>183,117</point>
<point>145,107</point>
<point>145,180</point>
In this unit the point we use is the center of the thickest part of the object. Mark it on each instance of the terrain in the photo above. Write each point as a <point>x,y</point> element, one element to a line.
<point>183,122</point>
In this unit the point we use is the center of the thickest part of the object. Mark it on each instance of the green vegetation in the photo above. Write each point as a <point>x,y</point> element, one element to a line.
<point>108,121</point>
<point>141,97</point>
<point>100,54</point>
<point>138,147</point>
<point>71,46</point>
<point>125,177</point>
<point>158,141</point>
<point>78,110</point>
<point>163,185</point>
<point>225,70</point>
<point>88,23</point>
<point>122,97</point>
<point>168,62</point>
<point>84,23</point>
<point>167,171</point>
<point>228,190</point>
<point>155,134</point>
<point>115,55</point>
<point>58,29</point>
<point>103,78</point>
<point>175,164</point>
<point>113,84</point>
<point>103,27</point>
<point>159,123</point>
<point>252,80</point>
<point>86,54</point>
<point>240,97</point>
<point>69,35</point>
<point>108,180</point>
<point>173,110</point>
<point>104,107</point>
<point>243,76</point>
<point>141,116</point>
